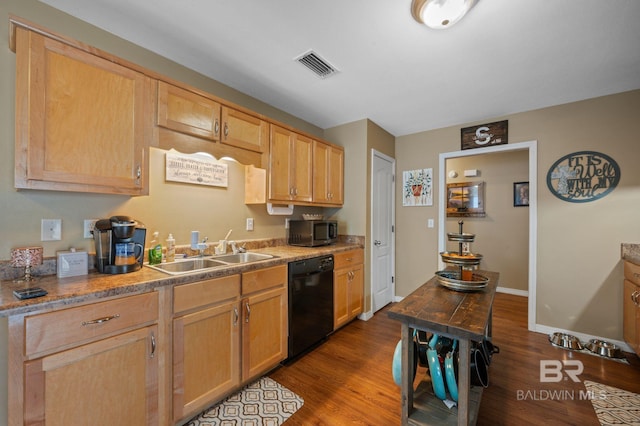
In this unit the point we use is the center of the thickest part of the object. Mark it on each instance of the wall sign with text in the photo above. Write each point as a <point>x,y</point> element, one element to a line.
<point>485,135</point>
<point>583,176</point>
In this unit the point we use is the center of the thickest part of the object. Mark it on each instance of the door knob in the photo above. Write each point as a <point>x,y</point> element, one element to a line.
<point>377,242</point>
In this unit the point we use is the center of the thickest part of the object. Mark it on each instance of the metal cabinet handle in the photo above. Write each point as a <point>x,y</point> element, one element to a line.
<point>100,320</point>
<point>153,345</point>
<point>236,316</point>
<point>248,309</point>
<point>226,129</point>
<point>634,297</point>
<point>216,127</point>
<point>377,242</point>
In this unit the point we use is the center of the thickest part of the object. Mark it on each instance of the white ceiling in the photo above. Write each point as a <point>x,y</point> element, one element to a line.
<point>505,56</point>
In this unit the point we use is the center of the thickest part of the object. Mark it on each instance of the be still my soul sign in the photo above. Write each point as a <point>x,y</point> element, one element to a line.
<point>583,176</point>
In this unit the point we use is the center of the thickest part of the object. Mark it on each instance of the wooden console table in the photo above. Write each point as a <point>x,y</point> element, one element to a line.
<point>465,316</point>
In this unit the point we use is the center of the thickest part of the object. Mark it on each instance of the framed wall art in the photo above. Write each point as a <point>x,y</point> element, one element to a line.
<point>417,187</point>
<point>520,194</point>
<point>465,199</point>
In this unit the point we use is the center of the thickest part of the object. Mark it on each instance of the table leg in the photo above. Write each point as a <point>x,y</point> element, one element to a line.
<point>464,378</point>
<point>407,376</point>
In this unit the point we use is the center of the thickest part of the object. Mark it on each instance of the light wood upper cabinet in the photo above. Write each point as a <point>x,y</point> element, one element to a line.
<point>328,174</point>
<point>83,123</point>
<point>290,166</point>
<point>245,131</point>
<point>188,112</point>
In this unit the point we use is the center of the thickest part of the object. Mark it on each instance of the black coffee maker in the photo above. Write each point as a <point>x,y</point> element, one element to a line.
<point>119,245</point>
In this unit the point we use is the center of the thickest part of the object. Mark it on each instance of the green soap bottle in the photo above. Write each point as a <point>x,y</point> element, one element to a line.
<point>155,250</point>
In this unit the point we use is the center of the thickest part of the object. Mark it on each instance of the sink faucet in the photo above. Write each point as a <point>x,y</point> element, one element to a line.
<point>195,245</point>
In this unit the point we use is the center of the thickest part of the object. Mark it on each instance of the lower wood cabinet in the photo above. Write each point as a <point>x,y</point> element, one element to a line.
<point>94,364</point>
<point>348,286</point>
<point>264,320</point>
<point>226,332</point>
<point>206,343</point>
<point>631,306</point>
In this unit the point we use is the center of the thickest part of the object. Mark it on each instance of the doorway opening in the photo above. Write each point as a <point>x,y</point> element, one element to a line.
<point>531,147</point>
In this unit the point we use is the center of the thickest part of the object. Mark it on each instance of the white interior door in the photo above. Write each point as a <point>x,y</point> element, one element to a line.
<point>382,244</point>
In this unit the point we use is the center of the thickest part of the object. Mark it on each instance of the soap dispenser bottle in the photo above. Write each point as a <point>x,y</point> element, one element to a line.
<point>171,248</point>
<point>155,251</point>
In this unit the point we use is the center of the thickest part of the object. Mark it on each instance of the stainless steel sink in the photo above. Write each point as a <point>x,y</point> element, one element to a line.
<point>185,266</point>
<point>243,257</point>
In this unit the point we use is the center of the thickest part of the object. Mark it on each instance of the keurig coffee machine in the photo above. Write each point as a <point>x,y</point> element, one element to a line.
<point>119,245</point>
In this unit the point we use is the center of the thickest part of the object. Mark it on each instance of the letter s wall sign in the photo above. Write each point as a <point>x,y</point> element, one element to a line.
<point>484,135</point>
<point>583,176</point>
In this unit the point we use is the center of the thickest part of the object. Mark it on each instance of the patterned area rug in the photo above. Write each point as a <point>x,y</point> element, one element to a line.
<point>614,406</point>
<point>264,402</point>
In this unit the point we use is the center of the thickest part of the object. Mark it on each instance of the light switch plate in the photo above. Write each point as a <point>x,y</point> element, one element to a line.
<point>51,230</point>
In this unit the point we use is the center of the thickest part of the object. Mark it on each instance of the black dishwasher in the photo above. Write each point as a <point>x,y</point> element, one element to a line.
<point>310,302</point>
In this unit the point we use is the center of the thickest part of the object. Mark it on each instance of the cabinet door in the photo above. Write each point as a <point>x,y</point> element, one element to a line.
<point>188,112</point>
<point>110,382</point>
<point>356,291</point>
<point>631,315</point>
<point>244,130</point>
<point>264,331</point>
<point>206,358</point>
<point>328,164</point>
<point>340,297</point>
<point>280,164</point>
<point>82,122</point>
<point>290,166</point>
<point>302,168</point>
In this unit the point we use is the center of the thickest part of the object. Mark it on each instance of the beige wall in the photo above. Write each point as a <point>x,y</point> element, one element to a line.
<point>358,139</point>
<point>502,236</point>
<point>579,272</point>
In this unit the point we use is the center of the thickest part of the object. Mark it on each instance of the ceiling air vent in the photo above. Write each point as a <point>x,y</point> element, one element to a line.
<point>315,63</point>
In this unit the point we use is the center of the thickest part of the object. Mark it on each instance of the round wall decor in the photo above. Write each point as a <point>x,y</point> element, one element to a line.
<point>583,176</point>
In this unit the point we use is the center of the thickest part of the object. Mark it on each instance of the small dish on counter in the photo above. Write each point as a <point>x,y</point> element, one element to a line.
<point>307,216</point>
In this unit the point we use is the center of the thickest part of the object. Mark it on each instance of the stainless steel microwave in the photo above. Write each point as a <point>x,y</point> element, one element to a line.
<point>311,233</point>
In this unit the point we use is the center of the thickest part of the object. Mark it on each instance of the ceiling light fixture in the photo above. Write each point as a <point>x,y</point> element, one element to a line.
<point>440,14</point>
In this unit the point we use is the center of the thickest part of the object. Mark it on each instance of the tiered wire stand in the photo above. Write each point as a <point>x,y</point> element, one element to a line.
<point>461,275</point>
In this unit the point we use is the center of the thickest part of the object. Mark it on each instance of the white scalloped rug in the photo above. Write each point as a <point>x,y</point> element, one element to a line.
<point>614,406</point>
<point>264,402</point>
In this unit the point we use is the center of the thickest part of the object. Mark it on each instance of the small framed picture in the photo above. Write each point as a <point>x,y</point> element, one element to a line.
<point>521,194</point>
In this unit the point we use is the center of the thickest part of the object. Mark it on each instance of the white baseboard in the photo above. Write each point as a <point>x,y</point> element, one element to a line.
<point>513,291</point>
<point>584,338</point>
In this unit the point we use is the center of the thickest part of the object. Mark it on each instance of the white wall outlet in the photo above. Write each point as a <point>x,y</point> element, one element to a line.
<point>430,223</point>
<point>89,225</point>
<point>286,223</point>
<point>51,230</point>
<point>249,224</point>
<point>465,247</point>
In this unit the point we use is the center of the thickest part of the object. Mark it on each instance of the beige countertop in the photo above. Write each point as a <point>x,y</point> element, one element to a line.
<point>631,252</point>
<point>96,286</point>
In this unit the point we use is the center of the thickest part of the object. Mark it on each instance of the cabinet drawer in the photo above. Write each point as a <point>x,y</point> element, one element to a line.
<point>203,293</point>
<point>86,323</point>
<point>263,279</point>
<point>348,258</point>
<point>632,272</point>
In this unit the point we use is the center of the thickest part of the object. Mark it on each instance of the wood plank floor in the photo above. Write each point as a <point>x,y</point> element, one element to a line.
<point>347,380</point>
